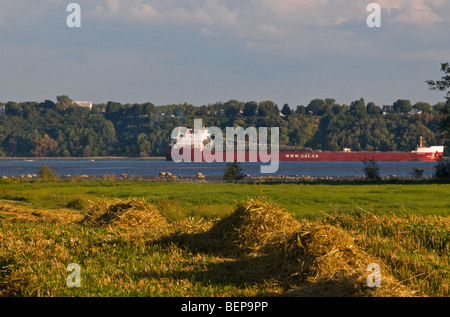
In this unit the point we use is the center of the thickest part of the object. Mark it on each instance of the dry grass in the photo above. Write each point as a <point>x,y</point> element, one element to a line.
<point>130,218</point>
<point>255,225</point>
<point>416,248</point>
<point>313,259</point>
<point>14,212</point>
<point>259,244</point>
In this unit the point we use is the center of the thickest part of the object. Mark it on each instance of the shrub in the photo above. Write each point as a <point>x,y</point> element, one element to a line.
<point>77,204</point>
<point>233,172</point>
<point>417,173</point>
<point>46,173</point>
<point>371,169</point>
<point>442,169</point>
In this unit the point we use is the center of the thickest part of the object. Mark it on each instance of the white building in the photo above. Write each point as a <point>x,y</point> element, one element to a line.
<point>415,111</point>
<point>2,110</point>
<point>87,104</point>
<point>386,109</point>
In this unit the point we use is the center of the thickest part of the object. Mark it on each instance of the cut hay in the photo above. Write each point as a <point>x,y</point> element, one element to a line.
<point>132,215</point>
<point>14,212</point>
<point>310,259</point>
<point>254,226</point>
<point>328,263</point>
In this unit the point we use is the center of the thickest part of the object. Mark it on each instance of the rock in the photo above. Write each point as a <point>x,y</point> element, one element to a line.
<point>162,173</point>
<point>5,177</point>
<point>200,175</point>
<point>169,174</point>
<point>29,176</point>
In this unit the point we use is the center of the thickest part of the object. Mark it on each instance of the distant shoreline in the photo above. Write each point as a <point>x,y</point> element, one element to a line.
<point>84,158</point>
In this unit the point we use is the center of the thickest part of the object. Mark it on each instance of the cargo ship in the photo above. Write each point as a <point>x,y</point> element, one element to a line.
<point>191,146</point>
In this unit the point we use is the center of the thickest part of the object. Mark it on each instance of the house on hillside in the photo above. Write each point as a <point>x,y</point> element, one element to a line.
<point>415,111</point>
<point>87,104</point>
<point>2,110</point>
<point>387,109</point>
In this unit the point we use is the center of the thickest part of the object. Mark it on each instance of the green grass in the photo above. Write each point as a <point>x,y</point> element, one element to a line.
<point>210,200</point>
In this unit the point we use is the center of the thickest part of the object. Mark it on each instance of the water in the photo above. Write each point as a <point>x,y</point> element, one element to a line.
<point>152,167</point>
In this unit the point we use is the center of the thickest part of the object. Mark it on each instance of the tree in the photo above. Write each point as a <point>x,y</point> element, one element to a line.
<point>443,85</point>
<point>64,101</point>
<point>373,109</point>
<point>402,106</point>
<point>46,173</point>
<point>422,106</point>
<point>233,172</point>
<point>330,101</point>
<point>442,170</point>
<point>417,173</point>
<point>250,109</point>
<point>12,108</point>
<point>318,107</point>
<point>232,108</point>
<point>45,147</point>
<point>300,110</point>
<point>371,170</point>
<point>268,109</point>
<point>47,104</point>
<point>286,110</point>
<point>358,108</point>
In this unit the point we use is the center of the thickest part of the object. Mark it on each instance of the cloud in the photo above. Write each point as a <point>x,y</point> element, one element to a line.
<point>412,12</point>
<point>282,27</point>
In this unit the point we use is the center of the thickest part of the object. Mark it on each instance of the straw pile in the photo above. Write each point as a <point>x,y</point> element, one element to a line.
<point>132,215</point>
<point>314,259</point>
<point>254,227</point>
<point>328,263</point>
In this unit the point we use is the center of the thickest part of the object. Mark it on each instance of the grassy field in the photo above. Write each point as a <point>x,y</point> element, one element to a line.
<point>405,228</point>
<point>212,200</point>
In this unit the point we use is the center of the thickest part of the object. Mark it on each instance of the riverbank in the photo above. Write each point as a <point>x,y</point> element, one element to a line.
<point>165,177</point>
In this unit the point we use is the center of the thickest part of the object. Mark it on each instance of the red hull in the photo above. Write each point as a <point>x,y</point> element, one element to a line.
<point>294,156</point>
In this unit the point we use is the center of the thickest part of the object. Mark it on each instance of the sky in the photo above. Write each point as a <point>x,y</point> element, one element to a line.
<point>207,51</point>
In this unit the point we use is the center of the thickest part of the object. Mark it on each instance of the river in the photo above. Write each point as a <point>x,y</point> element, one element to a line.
<point>152,167</point>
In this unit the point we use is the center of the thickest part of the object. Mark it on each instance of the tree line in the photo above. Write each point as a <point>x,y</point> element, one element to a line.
<point>64,129</point>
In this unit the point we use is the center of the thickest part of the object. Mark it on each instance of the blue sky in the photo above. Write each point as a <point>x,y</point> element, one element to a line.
<point>206,51</point>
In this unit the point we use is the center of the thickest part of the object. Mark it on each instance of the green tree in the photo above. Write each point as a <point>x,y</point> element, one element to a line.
<point>12,108</point>
<point>300,110</point>
<point>373,109</point>
<point>402,106</point>
<point>46,173</point>
<point>64,101</point>
<point>233,172</point>
<point>232,108</point>
<point>250,109</point>
<point>443,85</point>
<point>358,108</point>
<point>286,110</point>
<point>371,169</point>
<point>267,109</point>
<point>422,106</point>
<point>318,107</point>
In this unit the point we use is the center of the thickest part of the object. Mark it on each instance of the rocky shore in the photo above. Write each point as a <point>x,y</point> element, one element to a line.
<point>200,177</point>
